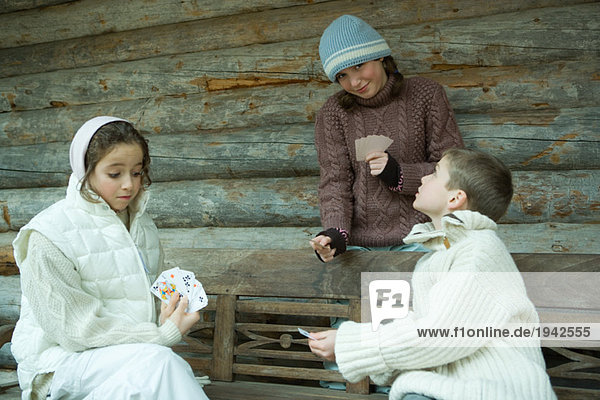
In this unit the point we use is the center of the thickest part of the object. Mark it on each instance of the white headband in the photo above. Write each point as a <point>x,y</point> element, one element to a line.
<point>81,141</point>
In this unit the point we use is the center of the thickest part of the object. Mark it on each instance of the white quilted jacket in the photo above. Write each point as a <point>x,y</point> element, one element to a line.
<point>115,266</point>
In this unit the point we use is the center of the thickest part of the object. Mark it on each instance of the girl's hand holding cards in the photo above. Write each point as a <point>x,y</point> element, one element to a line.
<point>377,161</point>
<point>176,280</point>
<point>321,244</point>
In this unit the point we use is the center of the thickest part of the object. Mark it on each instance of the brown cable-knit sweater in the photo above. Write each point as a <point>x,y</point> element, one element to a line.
<point>422,125</point>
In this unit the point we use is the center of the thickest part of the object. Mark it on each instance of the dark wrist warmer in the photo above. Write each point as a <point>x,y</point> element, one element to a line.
<point>389,175</point>
<point>338,241</point>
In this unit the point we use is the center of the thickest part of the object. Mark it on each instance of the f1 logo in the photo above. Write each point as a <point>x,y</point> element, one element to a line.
<point>389,299</point>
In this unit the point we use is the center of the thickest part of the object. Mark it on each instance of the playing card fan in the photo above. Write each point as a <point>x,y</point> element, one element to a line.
<point>183,282</point>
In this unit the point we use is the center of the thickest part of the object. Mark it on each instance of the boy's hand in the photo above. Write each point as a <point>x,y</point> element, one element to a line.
<point>324,347</point>
<point>184,321</point>
<point>377,161</point>
<point>321,244</point>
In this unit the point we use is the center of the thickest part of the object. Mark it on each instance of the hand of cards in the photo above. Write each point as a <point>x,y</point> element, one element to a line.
<point>365,145</point>
<point>183,282</point>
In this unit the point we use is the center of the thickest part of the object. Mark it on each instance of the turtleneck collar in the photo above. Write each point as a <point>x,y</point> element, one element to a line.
<point>382,98</point>
<point>454,228</point>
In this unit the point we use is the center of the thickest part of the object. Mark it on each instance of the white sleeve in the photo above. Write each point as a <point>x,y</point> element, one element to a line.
<point>69,315</point>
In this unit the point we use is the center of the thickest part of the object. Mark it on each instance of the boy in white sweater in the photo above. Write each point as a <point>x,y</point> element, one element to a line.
<point>455,285</point>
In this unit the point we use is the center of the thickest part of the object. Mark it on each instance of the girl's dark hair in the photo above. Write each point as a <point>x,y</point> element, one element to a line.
<point>347,101</point>
<point>103,142</point>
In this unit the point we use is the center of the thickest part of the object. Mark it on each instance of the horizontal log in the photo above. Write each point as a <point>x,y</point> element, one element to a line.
<point>260,272</point>
<point>540,196</point>
<point>90,17</point>
<point>293,61</point>
<point>290,307</point>
<point>246,202</point>
<point>489,40</point>
<point>555,196</point>
<point>7,6</point>
<point>298,103</point>
<point>517,88</point>
<point>519,238</point>
<point>253,272</point>
<point>10,301</point>
<point>524,37</point>
<point>238,31</point>
<point>198,72</point>
<point>543,140</point>
<point>557,140</point>
<point>271,151</point>
<point>242,108</point>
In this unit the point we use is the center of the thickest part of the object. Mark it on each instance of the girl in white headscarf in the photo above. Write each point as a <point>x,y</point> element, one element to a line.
<point>88,326</point>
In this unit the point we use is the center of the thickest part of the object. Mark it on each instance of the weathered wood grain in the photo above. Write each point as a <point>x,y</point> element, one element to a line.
<point>544,140</point>
<point>230,202</point>
<point>521,38</point>
<point>7,6</point>
<point>555,196</point>
<point>239,30</point>
<point>224,338</point>
<point>545,238</point>
<point>246,390</point>
<point>540,196</point>
<point>537,140</point>
<point>253,272</point>
<point>198,72</point>
<point>10,300</point>
<point>287,372</point>
<point>91,17</point>
<point>476,42</point>
<point>287,62</point>
<point>516,88</point>
<point>242,108</point>
<point>260,272</point>
<point>255,152</point>
<point>518,238</point>
<point>298,103</point>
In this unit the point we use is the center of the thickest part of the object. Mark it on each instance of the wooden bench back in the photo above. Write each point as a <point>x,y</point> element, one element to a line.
<point>250,325</point>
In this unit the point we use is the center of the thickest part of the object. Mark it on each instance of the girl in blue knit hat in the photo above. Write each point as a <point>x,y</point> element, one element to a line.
<point>367,203</point>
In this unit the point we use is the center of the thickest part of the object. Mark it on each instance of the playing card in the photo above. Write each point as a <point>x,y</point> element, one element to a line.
<point>163,289</point>
<point>198,298</point>
<point>365,145</point>
<point>175,277</point>
<point>305,333</point>
<point>187,279</point>
<point>183,282</point>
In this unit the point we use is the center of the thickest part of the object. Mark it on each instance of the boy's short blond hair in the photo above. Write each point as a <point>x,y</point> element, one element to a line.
<point>484,178</point>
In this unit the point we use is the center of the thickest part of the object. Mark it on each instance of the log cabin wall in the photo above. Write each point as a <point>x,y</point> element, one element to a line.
<point>227,91</point>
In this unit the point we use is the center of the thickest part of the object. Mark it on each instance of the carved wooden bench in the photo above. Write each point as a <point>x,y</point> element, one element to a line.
<point>243,343</point>
<point>247,340</point>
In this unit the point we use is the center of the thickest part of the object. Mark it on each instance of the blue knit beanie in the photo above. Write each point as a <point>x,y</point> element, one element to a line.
<point>349,41</point>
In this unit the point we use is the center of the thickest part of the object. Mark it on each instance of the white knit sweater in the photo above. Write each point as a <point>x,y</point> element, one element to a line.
<point>79,292</point>
<point>453,287</point>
